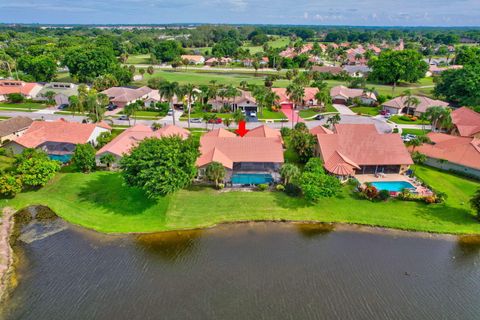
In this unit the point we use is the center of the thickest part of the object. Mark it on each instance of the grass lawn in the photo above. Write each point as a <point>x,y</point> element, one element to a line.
<point>101,201</point>
<point>271,115</point>
<point>396,119</point>
<point>279,42</point>
<point>202,114</point>
<point>417,132</point>
<point>24,105</point>
<point>200,77</point>
<point>371,111</point>
<point>308,113</point>
<point>139,59</point>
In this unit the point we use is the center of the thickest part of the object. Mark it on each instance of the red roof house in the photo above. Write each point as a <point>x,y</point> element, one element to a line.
<point>353,149</point>
<point>466,122</point>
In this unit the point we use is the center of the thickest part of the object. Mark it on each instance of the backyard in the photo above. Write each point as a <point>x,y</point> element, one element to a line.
<point>102,202</point>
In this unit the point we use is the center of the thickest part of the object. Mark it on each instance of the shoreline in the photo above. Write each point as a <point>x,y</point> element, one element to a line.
<point>6,251</point>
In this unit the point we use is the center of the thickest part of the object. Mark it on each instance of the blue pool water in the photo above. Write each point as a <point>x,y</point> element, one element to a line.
<point>395,186</point>
<point>251,178</point>
<point>64,158</point>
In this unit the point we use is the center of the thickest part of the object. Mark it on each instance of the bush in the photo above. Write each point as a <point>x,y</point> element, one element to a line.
<point>293,190</point>
<point>15,98</point>
<point>384,195</point>
<point>395,130</point>
<point>220,186</point>
<point>280,187</point>
<point>84,157</point>
<point>262,187</point>
<point>429,199</point>
<point>370,192</point>
<point>35,168</point>
<point>405,118</point>
<point>285,132</point>
<point>10,185</point>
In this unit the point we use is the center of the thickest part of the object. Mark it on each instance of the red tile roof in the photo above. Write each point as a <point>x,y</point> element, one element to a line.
<point>466,121</point>
<point>350,93</point>
<point>228,149</point>
<point>125,141</point>
<point>13,86</point>
<point>464,151</point>
<point>282,93</point>
<point>320,130</point>
<point>264,132</point>
<point>354,145</point>
<point>57,131</point>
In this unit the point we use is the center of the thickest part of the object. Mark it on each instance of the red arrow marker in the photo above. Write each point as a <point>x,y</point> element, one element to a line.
<point>242,130</point>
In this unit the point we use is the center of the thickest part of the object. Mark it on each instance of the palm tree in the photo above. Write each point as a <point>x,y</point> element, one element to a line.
<point>232,93</point>
<point>289,172</point>
<point>410,101</point>
<point>190,91</point>
<point>323,97</point>
<point>475,203</point>
<point>130,110</point>
<point>296,94</point>
<point>167,91</point>
<point>439,117</point>
<point>418,141</point>
<point>243,85</point>
<point>227,122</point>
<point>238,116</point>
<point>333,120</point>
<point>75,105</point>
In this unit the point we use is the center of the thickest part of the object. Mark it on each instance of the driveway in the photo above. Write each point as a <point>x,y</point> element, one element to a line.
<point>344,110</point>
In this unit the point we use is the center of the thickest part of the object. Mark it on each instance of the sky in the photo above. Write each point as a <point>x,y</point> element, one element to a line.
<point>310,12</point>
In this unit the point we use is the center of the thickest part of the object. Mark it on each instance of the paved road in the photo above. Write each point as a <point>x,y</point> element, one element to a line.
<point>380,123</point>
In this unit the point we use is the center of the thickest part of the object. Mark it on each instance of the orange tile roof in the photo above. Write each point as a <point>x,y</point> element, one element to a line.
<point>425,103</point>
<point>14,86</point>
<point>264,132</point>
<point>282,94</point>
<point>56,131</point>
<point>320,130</point>
<point>467,121</point>
<point>219,133</point>
<point>131,137</point>
<point>354,145</point>
<point>350,93</point>
<point>464,151</point>
<point>229,149</point>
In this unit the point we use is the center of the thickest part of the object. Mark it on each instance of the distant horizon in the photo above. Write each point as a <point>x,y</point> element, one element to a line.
<point>374,13</point>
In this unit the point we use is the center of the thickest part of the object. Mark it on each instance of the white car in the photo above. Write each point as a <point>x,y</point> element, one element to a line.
<point>253,114</point>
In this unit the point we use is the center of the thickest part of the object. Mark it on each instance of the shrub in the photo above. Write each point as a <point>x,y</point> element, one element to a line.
<point>405,118</point>
<point>280,187</point>
<point>293,190</point>
<point>395,130</point>
<point>384,195</point>
<point>370,192</point>
<point>84,157</point>
<point>10,185</point>
<point>15,98</point>
<point>262,187</point>
<point>285,132</point>
<point>429,199</point>
<point>35,168</point>
<point>220,186</point>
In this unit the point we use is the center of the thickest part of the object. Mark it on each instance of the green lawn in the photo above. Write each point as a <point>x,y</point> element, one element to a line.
<point>200,77</point>
<point>279,42</point>
<point>101,201</point>
<point>371,111</point>
<point>417,132</point>
<point>271,115</point>
<point>139,59</point>
<point>202,114</point>
<point>24,105</point>
<point>396,119</point>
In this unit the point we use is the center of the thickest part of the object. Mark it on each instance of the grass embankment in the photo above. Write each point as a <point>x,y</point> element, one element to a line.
<point>100,201</point>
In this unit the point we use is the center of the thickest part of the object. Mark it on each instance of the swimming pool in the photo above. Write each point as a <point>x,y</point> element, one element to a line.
<point>393,186</point>
<point>64,158</point>
<point>251,178</point>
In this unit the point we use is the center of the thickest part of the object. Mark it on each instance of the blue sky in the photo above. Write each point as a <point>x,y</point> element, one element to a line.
<point>323,12</point>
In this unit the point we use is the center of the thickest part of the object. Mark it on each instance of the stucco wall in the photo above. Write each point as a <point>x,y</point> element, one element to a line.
<point>453,167</point>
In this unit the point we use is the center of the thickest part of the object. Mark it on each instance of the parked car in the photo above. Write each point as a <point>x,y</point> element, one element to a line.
<point>63,106</point>
<point>123,117</point>
<point>112,107</point>
<point>319,117</point>
<point>170,112</point>
<point>195,120</point>
<point>408,137</point>
<point>253,114</point>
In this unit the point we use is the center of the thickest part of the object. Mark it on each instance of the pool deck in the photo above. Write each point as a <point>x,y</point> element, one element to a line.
<point>363,178</point>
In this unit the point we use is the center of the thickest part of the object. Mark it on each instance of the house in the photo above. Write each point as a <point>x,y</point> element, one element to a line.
<point>292,52</point>
<point>435,70</point>
<point>193,58</point>
<point>218,61</point>
<point>343,95</point>
<point>264,132</point>
<point>397,105</point>
<point>131,137</point>
<point>357,71</point>
<point>356,149</point>
<point>245,101</point>
<point>453,153</point>
<point>58,138</point>
<point>122,96</point>
<point>309,99</point>
<point>13,128</point>
<point>62,92</point>
<point>356,56</point>
<point>334,71</point>
<point>29,90</point>
<point>466,123</point>
<point>253,155</point>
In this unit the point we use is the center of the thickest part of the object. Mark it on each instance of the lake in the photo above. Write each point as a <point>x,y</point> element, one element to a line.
<point>245,271</point>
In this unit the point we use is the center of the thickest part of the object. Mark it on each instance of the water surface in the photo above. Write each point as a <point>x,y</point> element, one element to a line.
<point>249,271</point>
